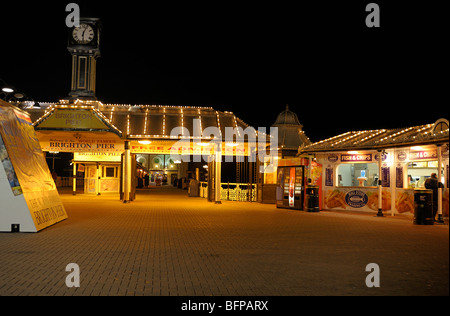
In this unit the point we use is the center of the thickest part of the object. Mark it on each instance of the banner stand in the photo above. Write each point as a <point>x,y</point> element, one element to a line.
<point>29,200</point>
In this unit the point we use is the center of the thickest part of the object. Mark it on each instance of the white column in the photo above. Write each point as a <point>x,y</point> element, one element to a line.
<point>380,186</point>
<point>127,173</point>
<point>218,172</point>
<point>439,176</point>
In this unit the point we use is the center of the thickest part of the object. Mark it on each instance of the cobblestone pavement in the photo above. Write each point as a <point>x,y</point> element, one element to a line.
<point>166,244</point>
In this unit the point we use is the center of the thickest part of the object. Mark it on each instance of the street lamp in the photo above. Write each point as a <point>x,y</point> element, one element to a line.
<point>6,89</point>
<point>9,94</point>
<point>19,99</point>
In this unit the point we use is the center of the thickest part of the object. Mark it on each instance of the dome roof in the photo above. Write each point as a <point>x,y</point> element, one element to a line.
<point>287,117</point>
<point>290,134</point>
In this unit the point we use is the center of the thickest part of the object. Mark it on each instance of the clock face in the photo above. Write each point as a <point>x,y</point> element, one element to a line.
<point>83,34</point>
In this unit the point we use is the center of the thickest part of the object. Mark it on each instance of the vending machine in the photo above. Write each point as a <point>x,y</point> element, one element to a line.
<point>291,187</point>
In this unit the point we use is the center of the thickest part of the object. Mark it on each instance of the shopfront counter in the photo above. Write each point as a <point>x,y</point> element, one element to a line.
<point>401,172</point>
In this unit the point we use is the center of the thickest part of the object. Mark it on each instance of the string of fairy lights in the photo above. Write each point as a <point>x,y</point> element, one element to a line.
<point>110,113</point>
<point>352,138</point>
<point>378,137</point>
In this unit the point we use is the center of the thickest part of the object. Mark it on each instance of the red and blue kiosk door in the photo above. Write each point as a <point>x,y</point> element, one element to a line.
<point>291,187</point>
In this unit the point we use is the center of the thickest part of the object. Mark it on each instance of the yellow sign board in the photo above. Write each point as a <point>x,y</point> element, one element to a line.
<point>61,141</point>
<point>78,119</point>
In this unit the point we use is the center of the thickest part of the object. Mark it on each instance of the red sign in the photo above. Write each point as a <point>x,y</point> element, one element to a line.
<point>356,158</point>
<point>423,155</point>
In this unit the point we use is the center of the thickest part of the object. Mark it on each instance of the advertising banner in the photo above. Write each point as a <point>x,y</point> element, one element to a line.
<point>22,151</point>
<point>366,199</point>
<point>404,201</point>
<point>359,199</point>
<point>329,179</point>
<point>291,187</point>
<point>9,169</point>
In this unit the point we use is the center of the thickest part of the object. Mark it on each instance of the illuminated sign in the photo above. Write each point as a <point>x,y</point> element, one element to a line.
<point>97,156</point>
<point>70,143</point>
<point>417,155</point>
<point>73,119</point>
<point>188,148</point>
<point>356,158</point>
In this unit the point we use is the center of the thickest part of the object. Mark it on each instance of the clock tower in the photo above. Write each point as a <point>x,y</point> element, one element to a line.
<point>84,46</point>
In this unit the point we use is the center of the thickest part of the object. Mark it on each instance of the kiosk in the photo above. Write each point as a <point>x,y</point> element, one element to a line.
<point>381,170</point>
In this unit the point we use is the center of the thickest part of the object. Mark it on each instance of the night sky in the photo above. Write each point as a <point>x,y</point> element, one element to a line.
<point>318,57</point>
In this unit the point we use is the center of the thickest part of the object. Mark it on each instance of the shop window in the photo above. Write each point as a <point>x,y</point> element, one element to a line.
<point>110,172</point>
<point>357,174</point>
<point>419,172</point>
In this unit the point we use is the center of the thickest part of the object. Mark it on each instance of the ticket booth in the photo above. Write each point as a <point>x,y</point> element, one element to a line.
<point>291,187</point>
<point>101,171</point>
<point>102,178</point>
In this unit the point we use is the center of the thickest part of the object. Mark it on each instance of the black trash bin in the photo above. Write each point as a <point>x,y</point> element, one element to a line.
<point>312,198</point>
<point>423,207</point>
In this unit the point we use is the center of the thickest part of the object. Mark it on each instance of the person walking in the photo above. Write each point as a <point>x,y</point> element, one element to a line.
<point>433,183</point>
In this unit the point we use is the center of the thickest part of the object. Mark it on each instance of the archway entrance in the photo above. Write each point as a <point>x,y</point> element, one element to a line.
<point>117,148</point>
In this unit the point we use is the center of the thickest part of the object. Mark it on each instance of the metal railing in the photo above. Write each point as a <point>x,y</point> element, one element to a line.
<point>242,192</point>
<point>63,182</point>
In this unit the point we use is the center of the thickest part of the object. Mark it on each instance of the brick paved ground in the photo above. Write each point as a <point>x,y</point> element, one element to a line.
<point>168,244</point>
